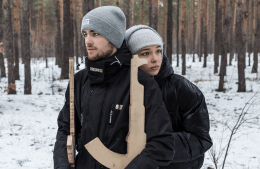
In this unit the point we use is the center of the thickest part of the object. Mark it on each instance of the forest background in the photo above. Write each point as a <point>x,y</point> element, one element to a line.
<point>215,38</point>
<point>33,29</point>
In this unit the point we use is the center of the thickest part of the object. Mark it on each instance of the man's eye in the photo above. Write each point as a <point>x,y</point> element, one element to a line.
<point>84,34</point>
<point>159,51</point>
<point>95,34</point>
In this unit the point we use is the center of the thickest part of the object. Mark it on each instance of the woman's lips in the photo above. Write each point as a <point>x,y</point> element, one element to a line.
<point>155,68</point>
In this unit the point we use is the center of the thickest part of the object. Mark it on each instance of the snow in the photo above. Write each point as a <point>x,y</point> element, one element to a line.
<point>28,123</point>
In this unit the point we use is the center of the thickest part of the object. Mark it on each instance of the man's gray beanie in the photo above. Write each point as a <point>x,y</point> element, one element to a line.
<point>140,36</point>
<point>108,21</point>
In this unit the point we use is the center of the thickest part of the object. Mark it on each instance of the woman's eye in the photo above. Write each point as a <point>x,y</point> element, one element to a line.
<point>145,54</point>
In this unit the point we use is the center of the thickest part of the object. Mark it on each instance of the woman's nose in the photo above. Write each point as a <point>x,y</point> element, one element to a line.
<point>155,58</point>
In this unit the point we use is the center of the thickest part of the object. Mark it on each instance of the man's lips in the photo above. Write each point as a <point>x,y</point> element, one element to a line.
<point>90,49</point>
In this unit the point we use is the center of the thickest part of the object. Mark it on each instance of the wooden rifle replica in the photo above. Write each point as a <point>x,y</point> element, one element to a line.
<point>136,138</point>
<point>71,137</point>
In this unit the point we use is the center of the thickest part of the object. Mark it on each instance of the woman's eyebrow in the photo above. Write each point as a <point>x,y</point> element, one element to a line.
<point>144,49</point>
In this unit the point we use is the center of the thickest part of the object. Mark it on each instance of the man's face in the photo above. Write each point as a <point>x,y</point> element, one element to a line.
<point>97,46</point>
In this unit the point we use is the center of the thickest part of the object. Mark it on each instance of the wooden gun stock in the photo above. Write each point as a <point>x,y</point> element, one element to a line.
<point>71,137</point>
<point>136,138</point>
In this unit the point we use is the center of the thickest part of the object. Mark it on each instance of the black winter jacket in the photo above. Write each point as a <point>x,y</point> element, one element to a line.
<point>189,115</point>
<point>96,95</point>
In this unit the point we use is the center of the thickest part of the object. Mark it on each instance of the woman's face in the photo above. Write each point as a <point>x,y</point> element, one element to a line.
<point>153,54</point>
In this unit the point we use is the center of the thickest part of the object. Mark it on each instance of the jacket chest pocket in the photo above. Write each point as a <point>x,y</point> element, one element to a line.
<point>114,113</point>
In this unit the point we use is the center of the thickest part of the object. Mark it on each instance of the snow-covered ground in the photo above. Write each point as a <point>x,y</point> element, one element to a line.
<point>28,122</point>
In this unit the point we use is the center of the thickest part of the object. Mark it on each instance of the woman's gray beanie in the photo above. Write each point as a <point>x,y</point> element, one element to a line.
<point>140,36</point>
<point>108,21</point>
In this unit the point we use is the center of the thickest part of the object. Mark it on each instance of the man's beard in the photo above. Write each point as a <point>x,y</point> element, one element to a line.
<point>103,54</point>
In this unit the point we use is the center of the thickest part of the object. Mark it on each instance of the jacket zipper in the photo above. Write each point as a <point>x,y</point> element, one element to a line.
<point>110,117</point>
<point>100,122</point>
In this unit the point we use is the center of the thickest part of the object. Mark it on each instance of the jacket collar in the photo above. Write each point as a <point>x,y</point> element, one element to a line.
<point>105,70</point>
<point>165,71</point>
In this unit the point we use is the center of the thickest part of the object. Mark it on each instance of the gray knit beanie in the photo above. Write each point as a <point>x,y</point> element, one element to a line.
<point>108,21</point>
<point>140,36</point>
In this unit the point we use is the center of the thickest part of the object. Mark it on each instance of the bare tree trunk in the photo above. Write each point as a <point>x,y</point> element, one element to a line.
<point>205,3</point>
<point>232,33</point>
<point>153,14</point>
<point>198,28</point>
<point>67,40</point>
<point>44,34</point>
<point>244,28</point>
<point>257,38</point>
<point>15,34</point>
<point>58,54</point>
<point>8,46</point>
<point>216,50</point>
<point>133,12</point>
<point>201,31</point>
<point>177,36</point>
<point>26,54</point>
<point>240,48</point>
<point>127,13</point>
<point>142,12</point>
<point>223,37</point>
<point>117,3</point>
<point>87,5</point>
<point>250,28</point>
<point>110,2</point>
<point>2,64</point>
<point>164,24</point>
<point>193,30</point>
<point>183,45</point>
<point>76,33</point>
<point>169,31</point>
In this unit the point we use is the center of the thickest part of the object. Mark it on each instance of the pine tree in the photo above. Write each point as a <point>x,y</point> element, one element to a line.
<point>67,40</point>
<point>205,18</point>
<point>16,29</point>
<point>8,47</point>
<point>127,13</point>
<point>58,53</point>
<point>169,31</point>
<point>183,45</point>
<point>177,31</point>
<point>257,36</point>
<point>2,65</point>
<point>153,14</point>
<point>25,34</point>
<point>240,46</point>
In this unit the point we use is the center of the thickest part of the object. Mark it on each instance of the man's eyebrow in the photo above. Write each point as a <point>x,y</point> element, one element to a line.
<point>158,46</point>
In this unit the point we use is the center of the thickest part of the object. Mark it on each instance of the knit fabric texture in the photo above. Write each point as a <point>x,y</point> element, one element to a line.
<point>140,36</point>
<point>108,21</point>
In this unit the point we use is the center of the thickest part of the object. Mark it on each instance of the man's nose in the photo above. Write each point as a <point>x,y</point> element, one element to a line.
<point>88,40</point>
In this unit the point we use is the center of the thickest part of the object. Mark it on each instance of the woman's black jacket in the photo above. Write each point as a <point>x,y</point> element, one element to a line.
<point>189,115</point>
<point>96,96</point>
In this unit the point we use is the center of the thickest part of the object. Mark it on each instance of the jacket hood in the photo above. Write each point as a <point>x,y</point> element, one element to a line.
<point>165,71</point>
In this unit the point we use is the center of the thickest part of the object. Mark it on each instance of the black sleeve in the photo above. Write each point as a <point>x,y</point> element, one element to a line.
<point>159,149</point>
<point>60,149</point>
<point>194,139</point>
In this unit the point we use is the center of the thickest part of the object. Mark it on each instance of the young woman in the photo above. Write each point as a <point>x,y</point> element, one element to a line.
<point>184,101</point>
